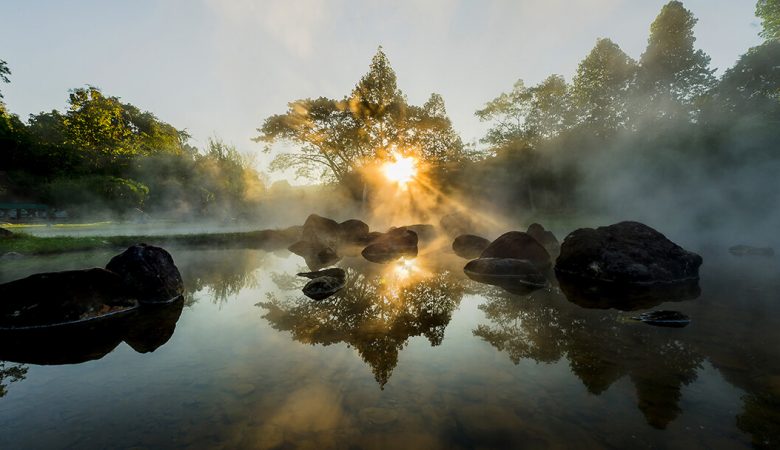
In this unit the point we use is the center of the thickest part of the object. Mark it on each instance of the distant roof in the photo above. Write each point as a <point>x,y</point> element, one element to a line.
<point>23,206</point>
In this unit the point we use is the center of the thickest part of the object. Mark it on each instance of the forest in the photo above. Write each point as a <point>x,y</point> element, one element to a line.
<point>663,135</point>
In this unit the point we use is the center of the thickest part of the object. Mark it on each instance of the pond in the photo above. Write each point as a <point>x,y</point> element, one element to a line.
<point>409,355</point>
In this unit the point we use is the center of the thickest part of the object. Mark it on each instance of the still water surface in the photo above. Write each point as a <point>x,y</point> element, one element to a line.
<point>408,355</point>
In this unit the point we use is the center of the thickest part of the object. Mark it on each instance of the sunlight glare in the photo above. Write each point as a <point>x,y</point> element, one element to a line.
<point>401,170</point>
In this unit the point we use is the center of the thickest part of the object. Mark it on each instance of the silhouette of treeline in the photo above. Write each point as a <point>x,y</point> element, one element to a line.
<point>102,154</point>
<point>663,127</point>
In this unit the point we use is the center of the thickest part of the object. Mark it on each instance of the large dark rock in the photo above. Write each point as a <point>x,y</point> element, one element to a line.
<point>324,283</point>
<point>354,232</point>
<point>5,233</point>
<point>58,298</point>
<point>396,243</point>
<point>148,272</point>
<point>323,230</point>
<point>546,238</point>
<point>469,246</point>
<point>518,245</point>
<point>626,253</point>
<point>515,275</point>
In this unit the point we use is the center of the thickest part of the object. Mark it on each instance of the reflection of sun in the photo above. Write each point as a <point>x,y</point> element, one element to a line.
<point>404,269</point>
<point>402,169</point>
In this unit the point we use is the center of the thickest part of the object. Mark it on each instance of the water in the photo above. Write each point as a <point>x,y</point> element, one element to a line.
<point>409,355</point>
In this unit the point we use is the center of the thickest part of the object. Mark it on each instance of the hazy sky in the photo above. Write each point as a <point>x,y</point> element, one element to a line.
<point>219,67</point>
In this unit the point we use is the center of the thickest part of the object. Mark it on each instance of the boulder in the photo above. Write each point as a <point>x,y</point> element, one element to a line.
<point>354,232</point>
<point>148,273</point>
<point>396,243</point>
<point>323,230</point>
<point>469,246</point>
<point>320,288</point>
<point>505,272</point>
<point>518,245</point>
<point>58,298</point>
<point>626,253</point>
<point>5,233</point>
<point>546,238</point>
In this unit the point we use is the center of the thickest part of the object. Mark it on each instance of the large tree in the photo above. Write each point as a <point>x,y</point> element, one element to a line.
<point>333,139</point>
<point>601,86</point>
<point>769,13</point>
<point>673,76</point>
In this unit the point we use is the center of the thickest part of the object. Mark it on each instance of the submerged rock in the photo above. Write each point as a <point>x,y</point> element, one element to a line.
<point>149,273</point>
<point>469,246</point>
<point>505,272</point>
<point>58,298</point>
<point>546,238</point>
<point>747,250</point>
<point>518,245</point>
<point>626,253</point>
<point>323,287</point>
<point>663,318</point>
<point>396,243</point>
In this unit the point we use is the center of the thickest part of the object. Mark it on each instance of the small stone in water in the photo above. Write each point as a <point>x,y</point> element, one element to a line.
<point>664,318</point>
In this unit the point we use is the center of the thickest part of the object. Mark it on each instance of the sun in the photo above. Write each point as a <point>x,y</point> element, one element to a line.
<point>401,170</point>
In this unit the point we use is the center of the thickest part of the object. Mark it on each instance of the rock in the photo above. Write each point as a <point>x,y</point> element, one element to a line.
<point>354,232</point>
<point>396,243</point>
<point>544,237</point>
<point>508,273</point>
<point>57,298</point>
<point>323,230</point>
<point>334,272</point>
<point>323,287</point>
<point>457,223</point>
<point>5,233</point>
<point>518,245</point>
<point>469,246</point>
<point>149,273</point>
<point>626,253</point>
<point>662,318</point>
<point>746,250</point>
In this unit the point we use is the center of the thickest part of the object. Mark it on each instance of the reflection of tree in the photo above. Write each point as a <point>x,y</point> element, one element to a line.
<point>600,349</point>
<point>223,272</point>
<point>375,314</point>
<point>12,373</point>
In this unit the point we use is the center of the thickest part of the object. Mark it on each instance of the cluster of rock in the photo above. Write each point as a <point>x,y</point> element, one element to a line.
<point>142,274</point>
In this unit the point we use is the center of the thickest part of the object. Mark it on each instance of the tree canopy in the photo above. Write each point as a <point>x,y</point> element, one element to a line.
<point>335,138</point>
<point>769,13</point>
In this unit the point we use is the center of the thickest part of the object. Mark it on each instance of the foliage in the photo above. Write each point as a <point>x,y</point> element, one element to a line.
<point>769,13</point>
<point>336,138</point>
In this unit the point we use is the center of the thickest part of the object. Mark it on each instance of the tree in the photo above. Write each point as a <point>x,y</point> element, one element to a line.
<point>601,86</point>
<point>672,76</point>
<point>769,13</point>
<point>524,116</point>
<point>334,139</point>
<point>752,86</point>
<point>4,73</point>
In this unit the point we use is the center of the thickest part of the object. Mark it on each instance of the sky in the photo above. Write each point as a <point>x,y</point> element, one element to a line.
<point>220,67</point>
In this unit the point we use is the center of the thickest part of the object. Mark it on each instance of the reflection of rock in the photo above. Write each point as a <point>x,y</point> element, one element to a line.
<point>153,326</point>
<point>469,246</point>
<point>544,237</point>
<point>144,329</point>
<point>149,273</point>
<point>396,243</point>
<point>506,272</point>
<point>626,297</point>
<point>746,250</point>
<point>626,252</point>
<point>518,245</point>
<point>324,283</point>
<point>315,254</point>
<point>674,319</point>
<point>47,299</point>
